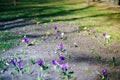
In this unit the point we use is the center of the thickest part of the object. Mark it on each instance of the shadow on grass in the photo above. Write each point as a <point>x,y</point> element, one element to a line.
<point>55,11</point>
<point>45,12</point>
<point>109,17</point>
<point>24,23</point>
<point>20,8</point>
<point>15,24</point>
<point>26,11</point>
<point>35,13</point>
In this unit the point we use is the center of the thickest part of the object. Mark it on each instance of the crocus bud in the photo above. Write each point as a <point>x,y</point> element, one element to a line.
<point>40,62</point>
<point>104,71</point>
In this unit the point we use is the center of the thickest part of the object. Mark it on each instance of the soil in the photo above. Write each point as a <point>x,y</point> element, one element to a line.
<point>79,44</point>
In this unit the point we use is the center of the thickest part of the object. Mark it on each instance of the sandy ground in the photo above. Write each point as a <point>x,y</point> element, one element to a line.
<point>83,62</point>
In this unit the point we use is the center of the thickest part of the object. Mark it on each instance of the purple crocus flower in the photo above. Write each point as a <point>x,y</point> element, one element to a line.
<point>19,65</point>
<point>54,62</point>
<point>61,62</point>
<point>64,66</point>
<point>58,34</point>
<point>104,71</point>
<point>19,60</point>
<point>40,62</point>
<point>104,34</point>
<point>62,57</point>
<point>12,61</point>
<point>55,27</point>
<point>94,31</point>
<point>25,39</point>
<point>60,46</point>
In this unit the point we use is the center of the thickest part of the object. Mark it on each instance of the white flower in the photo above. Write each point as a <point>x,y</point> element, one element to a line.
<point>7,64</point>
<point>62,34</point>
<point>107,36</point>
<point>55,52</point>
<point>75,43</point>
<point>22,40</point>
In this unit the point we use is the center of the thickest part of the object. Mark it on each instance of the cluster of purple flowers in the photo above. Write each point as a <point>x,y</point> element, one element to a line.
<point>12,61</point>
<point>64,66</point>
<point>58,33</point>
<point>60,64</point>
<point>17,63</point>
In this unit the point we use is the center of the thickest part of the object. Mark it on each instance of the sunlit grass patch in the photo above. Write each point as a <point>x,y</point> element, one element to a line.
<point>114,32</point>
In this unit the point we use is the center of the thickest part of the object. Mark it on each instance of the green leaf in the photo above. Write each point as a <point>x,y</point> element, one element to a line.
<point>32,61</point>
<point>16,68</point>
<point>44,67</point>
<point>27,69</point>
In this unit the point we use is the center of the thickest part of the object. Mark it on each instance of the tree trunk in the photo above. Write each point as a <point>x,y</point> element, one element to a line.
<point>119,2</point>
<point>88,2</point>
<point>14,2</point>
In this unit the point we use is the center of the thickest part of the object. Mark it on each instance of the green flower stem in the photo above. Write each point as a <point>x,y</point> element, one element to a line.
<point>20,72</point>
<point>38,73</point>
<point>27,69</point>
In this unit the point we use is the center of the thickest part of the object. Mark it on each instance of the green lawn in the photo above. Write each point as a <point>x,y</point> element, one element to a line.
<point>7,39</point>
<point>96,15</point>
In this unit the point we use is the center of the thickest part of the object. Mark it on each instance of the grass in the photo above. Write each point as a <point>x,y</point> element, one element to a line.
<point>7,40</point>
<point>96,15</point>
